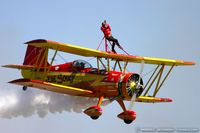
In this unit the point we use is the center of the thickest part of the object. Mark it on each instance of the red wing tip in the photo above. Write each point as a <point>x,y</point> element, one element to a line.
<point>169,100</point>
<point>166,99</point>
<point>190,63</point>
<point>19,80</point>
<point>37,41</point>
<point>40,41</point>
<point>186,62</point>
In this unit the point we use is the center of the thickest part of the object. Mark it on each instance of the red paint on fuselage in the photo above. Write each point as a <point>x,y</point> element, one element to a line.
<point>101,82</point>
<point>66,67</point>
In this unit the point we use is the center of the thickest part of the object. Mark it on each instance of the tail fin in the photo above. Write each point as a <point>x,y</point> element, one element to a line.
<point>36,56</point>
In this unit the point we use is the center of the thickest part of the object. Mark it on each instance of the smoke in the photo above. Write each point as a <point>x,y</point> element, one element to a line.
<point>15,102</point>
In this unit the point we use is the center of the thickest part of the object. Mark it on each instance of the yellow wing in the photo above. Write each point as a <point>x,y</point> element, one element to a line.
<point>148,99</point>
<point>96,53</point>
<point>53,87</point>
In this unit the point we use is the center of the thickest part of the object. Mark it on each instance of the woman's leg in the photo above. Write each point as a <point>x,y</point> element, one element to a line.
<point>111,38</point>
<point>114,41</point>
<point>113,48</point>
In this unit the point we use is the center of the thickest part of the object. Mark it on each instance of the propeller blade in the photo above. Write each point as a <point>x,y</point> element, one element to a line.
<point>132,102</point>
<point>106,102</point>
<point>141,71</point>
<point>133,99</point>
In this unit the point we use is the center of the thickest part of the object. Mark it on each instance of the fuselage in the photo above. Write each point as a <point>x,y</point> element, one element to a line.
<point>84,77</point>
<point>81,74</point>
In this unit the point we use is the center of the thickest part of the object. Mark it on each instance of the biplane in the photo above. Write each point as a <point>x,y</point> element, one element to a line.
<point>79,78</point>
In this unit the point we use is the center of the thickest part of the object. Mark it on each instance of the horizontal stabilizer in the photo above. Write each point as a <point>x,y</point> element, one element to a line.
<point>23,67</point>
<point>52,87</point>
<point>148,99</point>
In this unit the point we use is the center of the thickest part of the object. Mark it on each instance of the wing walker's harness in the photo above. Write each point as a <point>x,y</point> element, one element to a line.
<point>106,45</point>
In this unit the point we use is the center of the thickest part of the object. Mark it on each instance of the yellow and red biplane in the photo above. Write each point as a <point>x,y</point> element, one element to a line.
<point>79,78</point>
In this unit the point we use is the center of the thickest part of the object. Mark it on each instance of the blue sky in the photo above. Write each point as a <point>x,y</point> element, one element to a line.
<point>158,28</point>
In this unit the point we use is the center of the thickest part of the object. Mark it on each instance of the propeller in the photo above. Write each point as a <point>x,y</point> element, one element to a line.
<point>138,85</point>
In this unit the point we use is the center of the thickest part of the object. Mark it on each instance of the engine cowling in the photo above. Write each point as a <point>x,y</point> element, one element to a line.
<point>129,85</point>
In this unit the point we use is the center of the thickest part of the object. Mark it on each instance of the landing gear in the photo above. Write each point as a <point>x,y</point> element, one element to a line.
<point>24,88</point>
<point>127,115</point>
<point>94,117</point>
<point>95,111</point>
<point>128,121</point>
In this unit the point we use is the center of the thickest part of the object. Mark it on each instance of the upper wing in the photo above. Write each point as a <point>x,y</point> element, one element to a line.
<point>147,99</point>
<point>96,53</point>
<point>53,87</point>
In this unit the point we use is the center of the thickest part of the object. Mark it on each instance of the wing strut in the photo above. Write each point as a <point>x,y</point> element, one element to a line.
<point>157,76</point>
<point>158,87</point>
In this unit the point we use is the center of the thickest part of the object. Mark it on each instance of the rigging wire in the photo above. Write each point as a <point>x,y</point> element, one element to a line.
<point>100,43</point>
<point>62,57</point>
<point>146,74</point>
<point>90,59</point>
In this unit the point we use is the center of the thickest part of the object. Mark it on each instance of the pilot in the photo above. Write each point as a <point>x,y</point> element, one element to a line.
<point>105,28</point>
<point>82,65</point>
<point>78,66</point>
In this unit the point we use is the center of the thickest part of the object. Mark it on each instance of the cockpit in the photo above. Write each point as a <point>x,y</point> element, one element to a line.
<point>84,66</point>
<point>81,65</point>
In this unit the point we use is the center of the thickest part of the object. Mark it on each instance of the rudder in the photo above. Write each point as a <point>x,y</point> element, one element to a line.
<point>36,56</point>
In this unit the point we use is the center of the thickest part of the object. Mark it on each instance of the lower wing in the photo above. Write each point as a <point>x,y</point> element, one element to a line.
<point>53,87</point>
<point>76,91</point>
<point>148,99</point>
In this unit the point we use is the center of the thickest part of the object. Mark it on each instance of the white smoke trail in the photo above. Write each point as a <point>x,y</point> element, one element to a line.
<point>15,102</point>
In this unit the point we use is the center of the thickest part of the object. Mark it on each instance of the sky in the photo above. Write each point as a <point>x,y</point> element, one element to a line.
<point>155,28</point>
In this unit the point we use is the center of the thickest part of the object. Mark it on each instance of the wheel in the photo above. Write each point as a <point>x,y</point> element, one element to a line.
<point>127,121</point>
<point>24,88</point>
<point>94,117</point>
